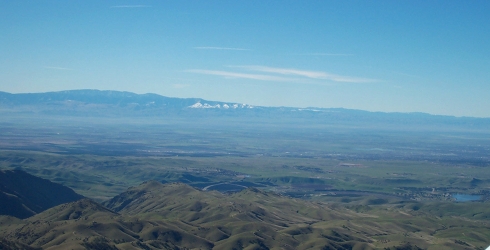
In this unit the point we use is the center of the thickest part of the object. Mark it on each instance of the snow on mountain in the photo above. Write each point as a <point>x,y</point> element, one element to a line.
<point>199,105</point>
<point>196,106</point>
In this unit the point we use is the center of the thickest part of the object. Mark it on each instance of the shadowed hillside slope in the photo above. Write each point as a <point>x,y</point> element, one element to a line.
<point>23,195</point>
<point>11,245</point>
<point>177,216</point>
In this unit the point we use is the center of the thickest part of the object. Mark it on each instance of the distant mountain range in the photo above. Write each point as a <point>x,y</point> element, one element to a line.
<point>99,98</point>
<point>98,103</point>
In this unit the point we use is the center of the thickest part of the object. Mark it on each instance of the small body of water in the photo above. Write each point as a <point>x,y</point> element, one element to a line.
<point>466,197</point>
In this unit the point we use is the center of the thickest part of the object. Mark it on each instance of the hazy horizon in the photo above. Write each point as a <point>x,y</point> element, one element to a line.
<point>385,56</point>
<point>249,104</point>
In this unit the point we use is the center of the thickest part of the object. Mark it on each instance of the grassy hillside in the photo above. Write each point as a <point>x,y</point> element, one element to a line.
<point>23,195</point>
<point>177,216</point>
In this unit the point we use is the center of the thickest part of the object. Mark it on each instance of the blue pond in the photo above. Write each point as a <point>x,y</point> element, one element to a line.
<point>466,197</point>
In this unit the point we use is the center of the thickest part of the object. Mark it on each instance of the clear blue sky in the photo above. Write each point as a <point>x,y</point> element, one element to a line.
<point>390,56</point>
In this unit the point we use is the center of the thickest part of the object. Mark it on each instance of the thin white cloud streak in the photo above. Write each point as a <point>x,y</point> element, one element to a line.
<point>57,68</point>
<point>325,54</point>
<point>309,74</point>
<point>229,74</point>
<point>131,6</point>
<point>221,48</point>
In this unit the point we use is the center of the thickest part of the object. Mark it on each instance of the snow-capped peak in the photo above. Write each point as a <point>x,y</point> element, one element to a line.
<point>199,105</point>
<point>196,105</point>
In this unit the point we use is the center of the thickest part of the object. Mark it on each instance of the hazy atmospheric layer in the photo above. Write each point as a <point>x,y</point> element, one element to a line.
<point>399,56</point>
